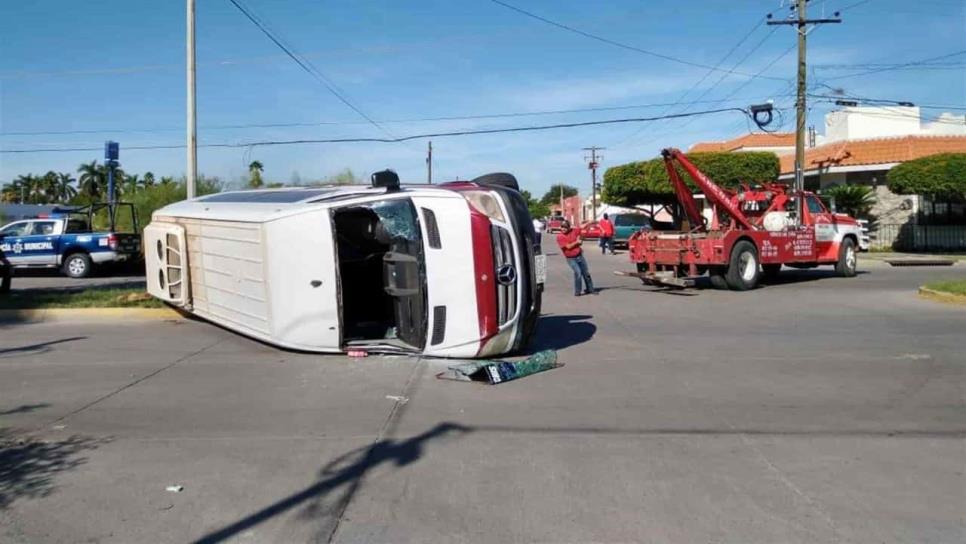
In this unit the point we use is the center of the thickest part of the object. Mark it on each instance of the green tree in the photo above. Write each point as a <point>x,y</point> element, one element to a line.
<point>166,180</point>
<point>148,180</point>
<point>345,177</point>
<point>92,180</point>
<point>536,208</point>
<point>940,176</point>
<point>647,181</point>
<point>255,170</point>
<point>552,196</point>
<point>855,200</point>
<point>65,187</point>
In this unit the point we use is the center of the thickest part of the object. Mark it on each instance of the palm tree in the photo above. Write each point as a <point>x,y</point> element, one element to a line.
<point>130,184</point>
<point>255,174</point>
<point>167,180</point>
<point>51,187</point>
<point>92,180</point>
<point>65,186</point>
<point>148,180</point>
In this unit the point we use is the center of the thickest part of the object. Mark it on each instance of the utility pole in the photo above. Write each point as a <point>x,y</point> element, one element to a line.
<point>429,163</point>
<point>192,124</point>
<point>592,165</point>
<point>801,22</point>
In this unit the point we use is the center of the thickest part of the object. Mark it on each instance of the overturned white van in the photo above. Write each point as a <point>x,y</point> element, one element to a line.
<point>450,270</point>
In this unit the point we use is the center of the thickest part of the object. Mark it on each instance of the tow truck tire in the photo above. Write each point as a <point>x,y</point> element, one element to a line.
<point>77,265</point>
<point>845,267</point>
<point>744,268</point>
<point>501,179</point>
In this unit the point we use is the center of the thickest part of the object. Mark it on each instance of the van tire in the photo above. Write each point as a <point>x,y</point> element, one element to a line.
<point>848,259</point>
<point>744,268</point>
<point>499,179</point>
<point>77,265</point>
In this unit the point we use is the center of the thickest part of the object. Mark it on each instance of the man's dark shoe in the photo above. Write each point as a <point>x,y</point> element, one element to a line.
<point>593,292</point>
<point>578,294</point>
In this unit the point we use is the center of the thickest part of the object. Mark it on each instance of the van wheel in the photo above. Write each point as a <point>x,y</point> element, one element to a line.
<point>77,265</point>
<point>848,259</point>
<point>743,268</point>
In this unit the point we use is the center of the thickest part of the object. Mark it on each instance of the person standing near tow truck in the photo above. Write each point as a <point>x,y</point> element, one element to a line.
<point>569,241</point>
<point>606,235</point>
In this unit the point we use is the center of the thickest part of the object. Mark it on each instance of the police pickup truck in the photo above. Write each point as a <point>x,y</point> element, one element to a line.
<point>64,239</point>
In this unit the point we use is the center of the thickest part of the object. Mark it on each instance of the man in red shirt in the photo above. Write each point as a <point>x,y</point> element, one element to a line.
<point>569,241</point>
<point>606,235</point>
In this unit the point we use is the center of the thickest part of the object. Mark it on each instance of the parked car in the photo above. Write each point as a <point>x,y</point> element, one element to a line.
<point>64,239</point>
<point>626,224</point>
<point>553,224</point>
<point>590,229</point>
<point>453,269</point>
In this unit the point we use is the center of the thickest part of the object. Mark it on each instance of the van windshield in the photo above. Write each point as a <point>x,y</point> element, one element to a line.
<point>382,272</point>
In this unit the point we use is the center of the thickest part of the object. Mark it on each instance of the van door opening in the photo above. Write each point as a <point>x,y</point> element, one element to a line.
<point>382,273</point>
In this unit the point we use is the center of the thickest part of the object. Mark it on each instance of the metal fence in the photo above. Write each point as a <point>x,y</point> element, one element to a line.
<point>918,237</point>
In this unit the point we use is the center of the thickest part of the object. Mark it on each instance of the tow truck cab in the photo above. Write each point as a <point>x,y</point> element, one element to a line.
<point>448,270</point>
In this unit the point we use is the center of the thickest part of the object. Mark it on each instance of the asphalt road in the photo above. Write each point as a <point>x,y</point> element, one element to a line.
<point>43,278</point>
<point>819,409</point>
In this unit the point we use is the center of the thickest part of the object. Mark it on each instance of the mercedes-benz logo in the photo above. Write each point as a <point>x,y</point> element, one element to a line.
<point>506,274</point>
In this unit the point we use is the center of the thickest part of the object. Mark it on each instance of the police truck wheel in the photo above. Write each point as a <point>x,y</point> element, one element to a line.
<point>744,267</point>
<point>77,265</point>
<point>848,259</point>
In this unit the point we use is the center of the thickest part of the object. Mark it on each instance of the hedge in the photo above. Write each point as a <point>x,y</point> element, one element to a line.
<point>942,175</point>
<point>647,181</point>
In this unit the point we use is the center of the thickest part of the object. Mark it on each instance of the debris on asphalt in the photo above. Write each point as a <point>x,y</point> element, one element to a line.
<point>357,353</point>
<point>919,261</point>
<point>399,399</point>
<point>494,372</point>
<point>175,488</point>
<point>59,427</point>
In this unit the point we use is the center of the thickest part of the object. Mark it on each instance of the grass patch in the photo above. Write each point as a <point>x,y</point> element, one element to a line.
<point>38,299</point>
<point>954,287</point>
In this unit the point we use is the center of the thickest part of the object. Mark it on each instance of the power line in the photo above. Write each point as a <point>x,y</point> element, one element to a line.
<point>381,121</point>
<point>305,65</point>
<point>394,140</point>
<point>619,44</point>
<point>886,102</point>
<point>900,66</point>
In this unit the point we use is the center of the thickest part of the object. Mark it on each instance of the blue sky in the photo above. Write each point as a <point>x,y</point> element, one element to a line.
<point>118,65</point>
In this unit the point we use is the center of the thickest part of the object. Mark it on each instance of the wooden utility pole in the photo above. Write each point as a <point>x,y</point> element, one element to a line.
<point>192,173</point>
<point>429,163</point>
<point>592,165</point>
<point>801,22</point>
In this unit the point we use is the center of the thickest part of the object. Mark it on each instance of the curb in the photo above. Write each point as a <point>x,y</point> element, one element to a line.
<point>51,315</point>
<point>940,296</point>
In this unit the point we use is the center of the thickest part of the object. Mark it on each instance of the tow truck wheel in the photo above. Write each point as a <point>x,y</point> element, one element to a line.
<point>743,268</point>
<point>846,264</point>
<point>77,265</point>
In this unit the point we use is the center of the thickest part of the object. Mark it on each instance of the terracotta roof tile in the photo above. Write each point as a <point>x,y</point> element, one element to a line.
<point>754,139</point>
<point>874,151</point>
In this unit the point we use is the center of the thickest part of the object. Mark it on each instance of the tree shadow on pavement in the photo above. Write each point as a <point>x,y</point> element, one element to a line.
<point>34,349</point>
<point>29,465</point>
<point>561,331</point>
<point>24,409</point>
<point>347,470</point>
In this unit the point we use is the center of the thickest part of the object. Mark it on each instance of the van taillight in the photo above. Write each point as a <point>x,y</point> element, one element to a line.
<point>112,241</point>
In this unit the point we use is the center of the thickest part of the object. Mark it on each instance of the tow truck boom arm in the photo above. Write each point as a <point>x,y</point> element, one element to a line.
<point>716,195</point>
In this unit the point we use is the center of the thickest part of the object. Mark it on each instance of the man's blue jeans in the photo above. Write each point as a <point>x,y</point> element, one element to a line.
<point>579,265</point>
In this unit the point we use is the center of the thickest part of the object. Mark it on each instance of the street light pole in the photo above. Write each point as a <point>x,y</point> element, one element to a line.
<point>192,123</point>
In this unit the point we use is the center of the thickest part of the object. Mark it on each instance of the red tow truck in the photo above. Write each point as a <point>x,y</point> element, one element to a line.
<point>750,232</point>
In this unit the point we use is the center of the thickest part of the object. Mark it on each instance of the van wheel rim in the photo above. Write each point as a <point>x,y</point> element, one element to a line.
<point>76,266</point>
<point>850,258</point>
<point>748,265</point>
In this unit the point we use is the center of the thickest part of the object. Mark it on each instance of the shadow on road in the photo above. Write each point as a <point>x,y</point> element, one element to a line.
<point>24,409</point>
<point>28,465</point>
<point>348,470</point>
<point>34,349</point>
<point>561,331</point>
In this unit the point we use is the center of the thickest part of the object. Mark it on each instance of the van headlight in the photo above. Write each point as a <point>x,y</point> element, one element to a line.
<point>486,203</point>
